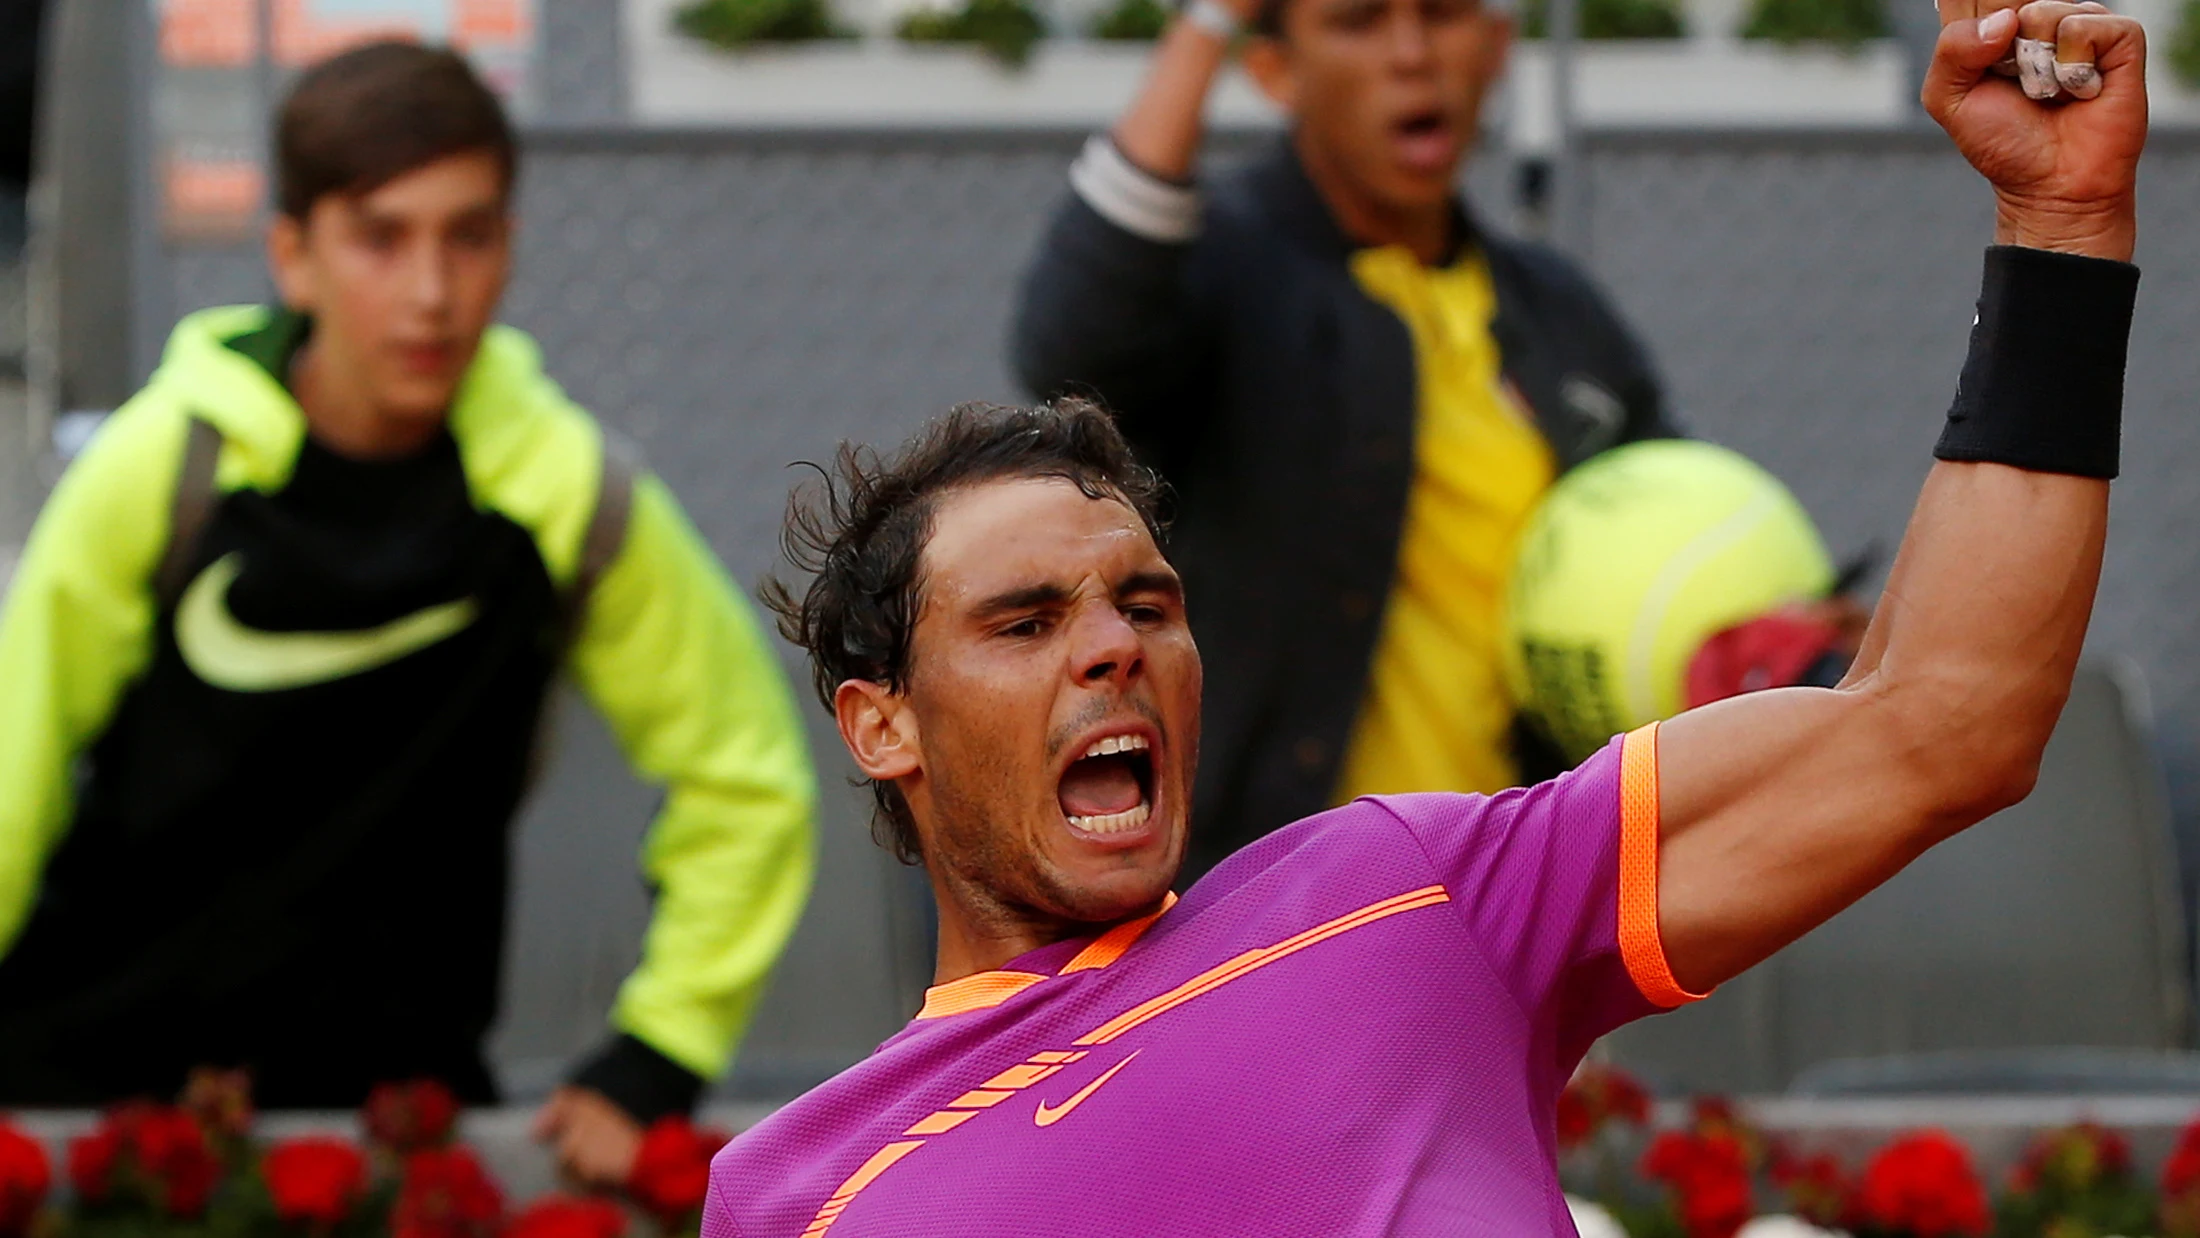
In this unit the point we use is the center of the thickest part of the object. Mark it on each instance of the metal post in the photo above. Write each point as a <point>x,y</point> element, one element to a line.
<point>1568,213</point>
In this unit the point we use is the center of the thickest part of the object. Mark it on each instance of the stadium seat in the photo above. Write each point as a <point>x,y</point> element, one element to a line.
<point>2054,926</point>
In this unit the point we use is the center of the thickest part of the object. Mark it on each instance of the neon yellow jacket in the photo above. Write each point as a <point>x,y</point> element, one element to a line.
<point>668,651</point>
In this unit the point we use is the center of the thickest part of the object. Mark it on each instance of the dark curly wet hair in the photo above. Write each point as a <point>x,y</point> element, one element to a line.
<point>859,531</point>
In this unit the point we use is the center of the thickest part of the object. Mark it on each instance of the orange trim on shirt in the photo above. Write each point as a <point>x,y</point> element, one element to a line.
<point>991,988</point>
<point>986,988</point>
<point>1109,946</point>
<point>1252,960</point>
<point>1641,946</point>
<point>1043,1065</point>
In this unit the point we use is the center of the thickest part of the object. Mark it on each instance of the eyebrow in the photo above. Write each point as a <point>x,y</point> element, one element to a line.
<point>1029,597</point>
<point>1024,598</point>
<point>1169,584</point>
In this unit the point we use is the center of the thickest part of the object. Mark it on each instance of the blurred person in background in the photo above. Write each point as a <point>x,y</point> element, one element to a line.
<point>1357,390</point>
<point>276,660</point>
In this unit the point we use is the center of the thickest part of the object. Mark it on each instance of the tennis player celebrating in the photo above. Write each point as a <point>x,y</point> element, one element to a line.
<point>1360,1024</point>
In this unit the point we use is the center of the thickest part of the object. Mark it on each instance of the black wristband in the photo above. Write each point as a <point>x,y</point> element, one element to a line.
<point>640,1080</point>
<point>2043,388</point>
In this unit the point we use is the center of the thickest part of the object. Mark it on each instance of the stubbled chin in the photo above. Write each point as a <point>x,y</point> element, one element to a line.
<point>1106,893</point>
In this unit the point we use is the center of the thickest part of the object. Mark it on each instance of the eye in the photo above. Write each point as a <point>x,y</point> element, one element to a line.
<point>1145,613</point>
<point>475,234</point>
<point>1025,628</point>
<point>1357,17</point>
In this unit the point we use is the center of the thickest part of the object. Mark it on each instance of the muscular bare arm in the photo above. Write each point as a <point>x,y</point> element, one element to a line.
<point>1778,810</point>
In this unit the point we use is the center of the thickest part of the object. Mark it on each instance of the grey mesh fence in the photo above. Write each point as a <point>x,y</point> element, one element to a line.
<point>735,302</point>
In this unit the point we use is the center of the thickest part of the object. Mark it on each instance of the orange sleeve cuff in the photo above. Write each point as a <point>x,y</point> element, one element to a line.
<point>1641,947</point>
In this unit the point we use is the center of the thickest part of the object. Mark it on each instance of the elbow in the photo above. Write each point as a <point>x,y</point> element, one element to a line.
<point>1967,758</point>
<point>2000,780</point>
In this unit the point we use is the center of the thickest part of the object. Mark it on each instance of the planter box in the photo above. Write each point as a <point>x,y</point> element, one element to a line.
<point>881,82</point>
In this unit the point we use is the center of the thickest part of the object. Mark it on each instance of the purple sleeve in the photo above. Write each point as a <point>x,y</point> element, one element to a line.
<point>717,1217</point>
<point>1535,873</point>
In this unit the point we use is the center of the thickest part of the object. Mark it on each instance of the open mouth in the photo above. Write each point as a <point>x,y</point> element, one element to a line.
<point>1109,788</point>
<point>1426,123</point>
<point>1424,136</point>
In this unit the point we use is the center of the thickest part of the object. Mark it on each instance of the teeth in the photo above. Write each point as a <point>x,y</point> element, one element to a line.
<point>1114,822</point>
<point>1117,743</point>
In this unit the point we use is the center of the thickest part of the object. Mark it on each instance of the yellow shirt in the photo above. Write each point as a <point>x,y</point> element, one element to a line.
<point>1437,716</point>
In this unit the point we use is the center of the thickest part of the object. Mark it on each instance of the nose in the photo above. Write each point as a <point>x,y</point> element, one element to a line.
<point>1105,647</point>
<point>428,282</point>
<point>1409,39</point>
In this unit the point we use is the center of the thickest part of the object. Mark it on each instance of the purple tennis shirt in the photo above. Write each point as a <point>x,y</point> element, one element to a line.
<point>1358,1025</point>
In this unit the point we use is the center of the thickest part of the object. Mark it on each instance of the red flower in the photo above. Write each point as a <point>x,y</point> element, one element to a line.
<point>25,1176</point>
<point>149,1152</point>
<point>1817,1188</point>
<point>564,1216</point>
<point>2076,1158</point>
<point>92,1160</point>
<point>1923,1185</point>
<point>406,1117</point>
<point>1709,1175</point>
<point>170,1150</point>
<point>1576,1121</point>
<point>315,1181</point>
<point>446,1194</point>
<point>672,1171</point>
<point>1595,1095</point>
<point>2181,1186</point>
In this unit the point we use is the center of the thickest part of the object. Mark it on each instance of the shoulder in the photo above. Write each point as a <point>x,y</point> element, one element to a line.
<point>1539,270</point>
<point>530,452</point>
<point>1553,289</point>
<point>1589,790</point>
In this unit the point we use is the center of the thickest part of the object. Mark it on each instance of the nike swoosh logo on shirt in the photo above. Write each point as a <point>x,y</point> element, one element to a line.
<point>227,654</point>
<point>1048,1115</point>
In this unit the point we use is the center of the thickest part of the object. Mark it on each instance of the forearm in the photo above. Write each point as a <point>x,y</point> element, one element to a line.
<point>1977,635</point>
<point>1161,131</point>
<point>732,870</point>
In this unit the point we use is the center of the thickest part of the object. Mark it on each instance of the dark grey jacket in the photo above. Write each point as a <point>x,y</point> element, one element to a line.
<point>1279,400</point>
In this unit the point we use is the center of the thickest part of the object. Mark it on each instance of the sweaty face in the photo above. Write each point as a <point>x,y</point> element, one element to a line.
<point>1054,689</point>
<point>401,281</point>
<point>1386,92</point>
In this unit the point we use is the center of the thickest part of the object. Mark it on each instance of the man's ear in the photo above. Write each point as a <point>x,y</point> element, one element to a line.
<point>1268,63</point>
<point>286,262</point>
<point>879,729</point>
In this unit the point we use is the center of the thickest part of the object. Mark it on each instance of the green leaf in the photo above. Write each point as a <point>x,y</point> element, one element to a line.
<point>1844,23</point>
<point>2184,45</point>
<point>1134,20</point>
<point>1611,19</point>
<point>1004,29</point>
<point>745,23</point>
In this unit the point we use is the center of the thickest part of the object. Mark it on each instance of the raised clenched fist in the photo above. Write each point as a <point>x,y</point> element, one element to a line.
<point>2061,142</point>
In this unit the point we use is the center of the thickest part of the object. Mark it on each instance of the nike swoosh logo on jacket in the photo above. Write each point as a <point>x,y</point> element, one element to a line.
<point>230,654</point>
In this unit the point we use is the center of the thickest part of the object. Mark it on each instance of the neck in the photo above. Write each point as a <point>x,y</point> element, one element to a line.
<point>978,932</point>
<point>1425,229</point>
<point>341,416</point>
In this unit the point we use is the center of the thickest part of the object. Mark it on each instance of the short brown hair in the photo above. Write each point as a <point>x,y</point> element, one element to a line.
<point>860,531</point>
<point>365,117</point>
